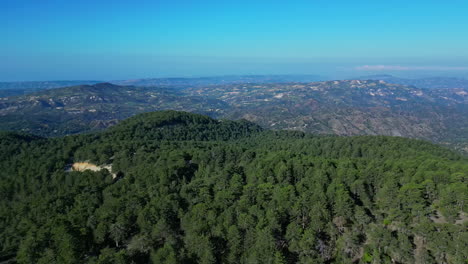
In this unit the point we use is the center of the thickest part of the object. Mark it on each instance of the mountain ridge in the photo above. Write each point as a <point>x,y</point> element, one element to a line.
<point>346,107</point>
<point>425,82</point>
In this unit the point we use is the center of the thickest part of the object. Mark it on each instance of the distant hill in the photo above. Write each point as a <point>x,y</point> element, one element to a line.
<point>350,107</point>
<point>43,84</point>
<point>84,108</point>
<point>353,107</point>
<point>426,83</point>
<point>21,88</point>
<point>220,80</point>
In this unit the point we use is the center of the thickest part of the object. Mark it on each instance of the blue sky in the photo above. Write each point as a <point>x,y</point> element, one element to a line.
<point>100,39</point>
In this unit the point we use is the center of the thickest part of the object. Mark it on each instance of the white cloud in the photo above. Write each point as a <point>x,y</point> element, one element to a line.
<point>408,68</point>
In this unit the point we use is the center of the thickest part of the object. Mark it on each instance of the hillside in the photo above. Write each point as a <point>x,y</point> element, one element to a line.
<point>424,83</point>
<point>191,189</point>
<point>85,108</point>
<point>219,80</point>
<point>21,88</point>
<point>349,107</point>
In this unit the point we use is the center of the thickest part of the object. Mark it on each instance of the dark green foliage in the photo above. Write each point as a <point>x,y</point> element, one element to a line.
<point>191,189</point>
<point>173,125</point>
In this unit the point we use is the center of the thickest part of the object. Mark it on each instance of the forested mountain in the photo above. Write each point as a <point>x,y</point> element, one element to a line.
<point>185,188</point>
<point>350,107</point>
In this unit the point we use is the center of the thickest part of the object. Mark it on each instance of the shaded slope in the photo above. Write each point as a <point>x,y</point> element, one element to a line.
<point>174,125</point>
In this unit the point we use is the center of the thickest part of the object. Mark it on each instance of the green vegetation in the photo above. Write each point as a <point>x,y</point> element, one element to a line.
<point>191,189</point>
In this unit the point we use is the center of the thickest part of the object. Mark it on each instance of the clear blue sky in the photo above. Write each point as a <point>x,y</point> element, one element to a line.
<point>100,39</point>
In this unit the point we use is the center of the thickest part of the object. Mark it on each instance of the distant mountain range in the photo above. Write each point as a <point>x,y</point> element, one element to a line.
<point>229,79</point>
<point>425,83</point>
<point>21,88</point>
<point>352,107</point>
<point>84,108</point>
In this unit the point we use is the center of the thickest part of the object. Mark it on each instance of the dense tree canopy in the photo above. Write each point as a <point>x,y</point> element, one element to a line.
<point>190,189</point>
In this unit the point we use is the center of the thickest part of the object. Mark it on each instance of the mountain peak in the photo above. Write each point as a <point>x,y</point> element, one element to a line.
<point>178,125</point>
